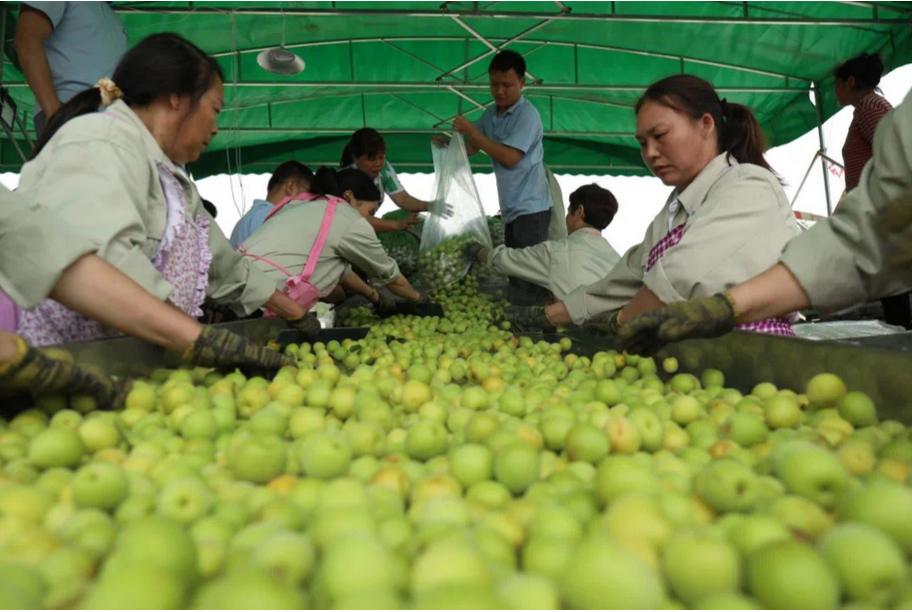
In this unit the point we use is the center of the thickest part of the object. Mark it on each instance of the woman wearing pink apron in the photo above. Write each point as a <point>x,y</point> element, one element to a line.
<point>310,242</point>
<point>726,220</point>
<point>115,178</point>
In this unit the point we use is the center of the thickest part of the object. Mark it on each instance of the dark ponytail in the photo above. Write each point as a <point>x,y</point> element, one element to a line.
<point>160,65</point>
<point>867,69</point>
<point>82,103</point>
<point>329,182</point>
<point>743,137</point>
<point>366,141</point>
<point>737,130</point>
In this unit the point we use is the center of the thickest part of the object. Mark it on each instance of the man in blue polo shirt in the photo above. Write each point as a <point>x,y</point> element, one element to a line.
<point>289,178</point>
<point>64,48</point>
<point>511,133</point>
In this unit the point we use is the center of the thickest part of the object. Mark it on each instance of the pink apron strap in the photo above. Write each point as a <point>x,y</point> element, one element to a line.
<point>318,244</point>
<point>243,251</point>
<point>299,288</point>
<point>303,197</point>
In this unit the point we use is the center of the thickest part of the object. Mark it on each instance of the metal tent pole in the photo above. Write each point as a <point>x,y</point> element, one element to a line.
<point>804,180</point>
<point>818,106</point>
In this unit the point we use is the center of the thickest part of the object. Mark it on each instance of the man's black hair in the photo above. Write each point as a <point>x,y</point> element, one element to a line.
<point>289,170</point>
<point>599,204</point>
<point>508,60</point>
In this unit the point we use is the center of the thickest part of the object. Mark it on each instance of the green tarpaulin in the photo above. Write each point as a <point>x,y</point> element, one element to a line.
<point>406,68</point>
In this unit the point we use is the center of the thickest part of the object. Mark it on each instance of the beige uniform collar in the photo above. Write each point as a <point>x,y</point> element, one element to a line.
<point>120,110</point>
<point>586,231</point>
<point>692,197</point>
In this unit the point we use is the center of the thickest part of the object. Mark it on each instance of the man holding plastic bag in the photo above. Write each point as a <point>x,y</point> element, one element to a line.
<point>511,133</point>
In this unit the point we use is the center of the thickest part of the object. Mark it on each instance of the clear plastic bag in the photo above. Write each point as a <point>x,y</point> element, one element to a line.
<point>440,260</point>
<point>842,330</point>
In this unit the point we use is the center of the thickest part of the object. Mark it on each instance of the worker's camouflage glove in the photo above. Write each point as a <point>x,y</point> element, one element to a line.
<point>309,325</point>
<point>219,348</point>
<point>528,318</point>
<point>421,307</point>
<point>43,374</point>
<point>385,306</point>
<point>604,323</point>
<point>707,317</point>
<point>475,252</point>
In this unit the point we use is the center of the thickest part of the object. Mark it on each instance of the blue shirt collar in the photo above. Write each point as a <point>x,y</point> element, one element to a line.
<point>510,110</point>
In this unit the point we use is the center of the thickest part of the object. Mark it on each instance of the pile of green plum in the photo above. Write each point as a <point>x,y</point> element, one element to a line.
<point>465,309</point>
<point>402,246</point>
<point>456,469</point>
<point>443,264</point>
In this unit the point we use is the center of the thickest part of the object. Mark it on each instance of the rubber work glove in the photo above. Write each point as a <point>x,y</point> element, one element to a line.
<point>32,370</point>
<point>385,306</point>
<point>604,323</point>
<point>475,252</point>
<point>441,209</point>
<point>220,348</point>
<point>707,317</point>
<point>308,324</point>
<point>531,318</point>
<point>421,307</point>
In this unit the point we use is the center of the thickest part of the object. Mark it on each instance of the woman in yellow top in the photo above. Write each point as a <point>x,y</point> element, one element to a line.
<point>726,220</point>
<point>127,194</point>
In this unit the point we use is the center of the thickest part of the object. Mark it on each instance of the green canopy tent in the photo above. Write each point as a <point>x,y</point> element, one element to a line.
<point>407,68</point>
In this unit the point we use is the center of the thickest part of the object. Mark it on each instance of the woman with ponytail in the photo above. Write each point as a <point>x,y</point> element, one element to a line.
<point>726,219</point>
<point>366,151</point>
<point>310,242</point>
<point>115,178</point>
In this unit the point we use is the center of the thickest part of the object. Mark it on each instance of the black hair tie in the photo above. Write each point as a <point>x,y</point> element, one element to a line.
<point>725,107</point>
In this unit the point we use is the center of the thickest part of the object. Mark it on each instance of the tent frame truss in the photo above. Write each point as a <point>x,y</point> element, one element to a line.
<point>458,12</point>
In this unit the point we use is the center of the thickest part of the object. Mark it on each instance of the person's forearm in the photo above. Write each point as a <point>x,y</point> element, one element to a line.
<point>401,287</point>
<point>502,154</point>
<point>37,71</point>
<point>353,283</point>
<point>774,293</point>
<point>409,203</point>
<point>644,301</point>
<point>531,264</point>
<point>336,296</point>
<point>383,225</point>
<point>99,291</point>
<point>284,306</point>
<point>471,148</point>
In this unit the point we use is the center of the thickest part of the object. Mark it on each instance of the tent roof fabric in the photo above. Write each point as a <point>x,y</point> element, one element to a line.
<point>407,68</point>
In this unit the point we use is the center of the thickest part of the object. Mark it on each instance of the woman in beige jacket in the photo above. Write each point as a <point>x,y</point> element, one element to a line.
<point>126,192</point>
<point>726,220</point>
